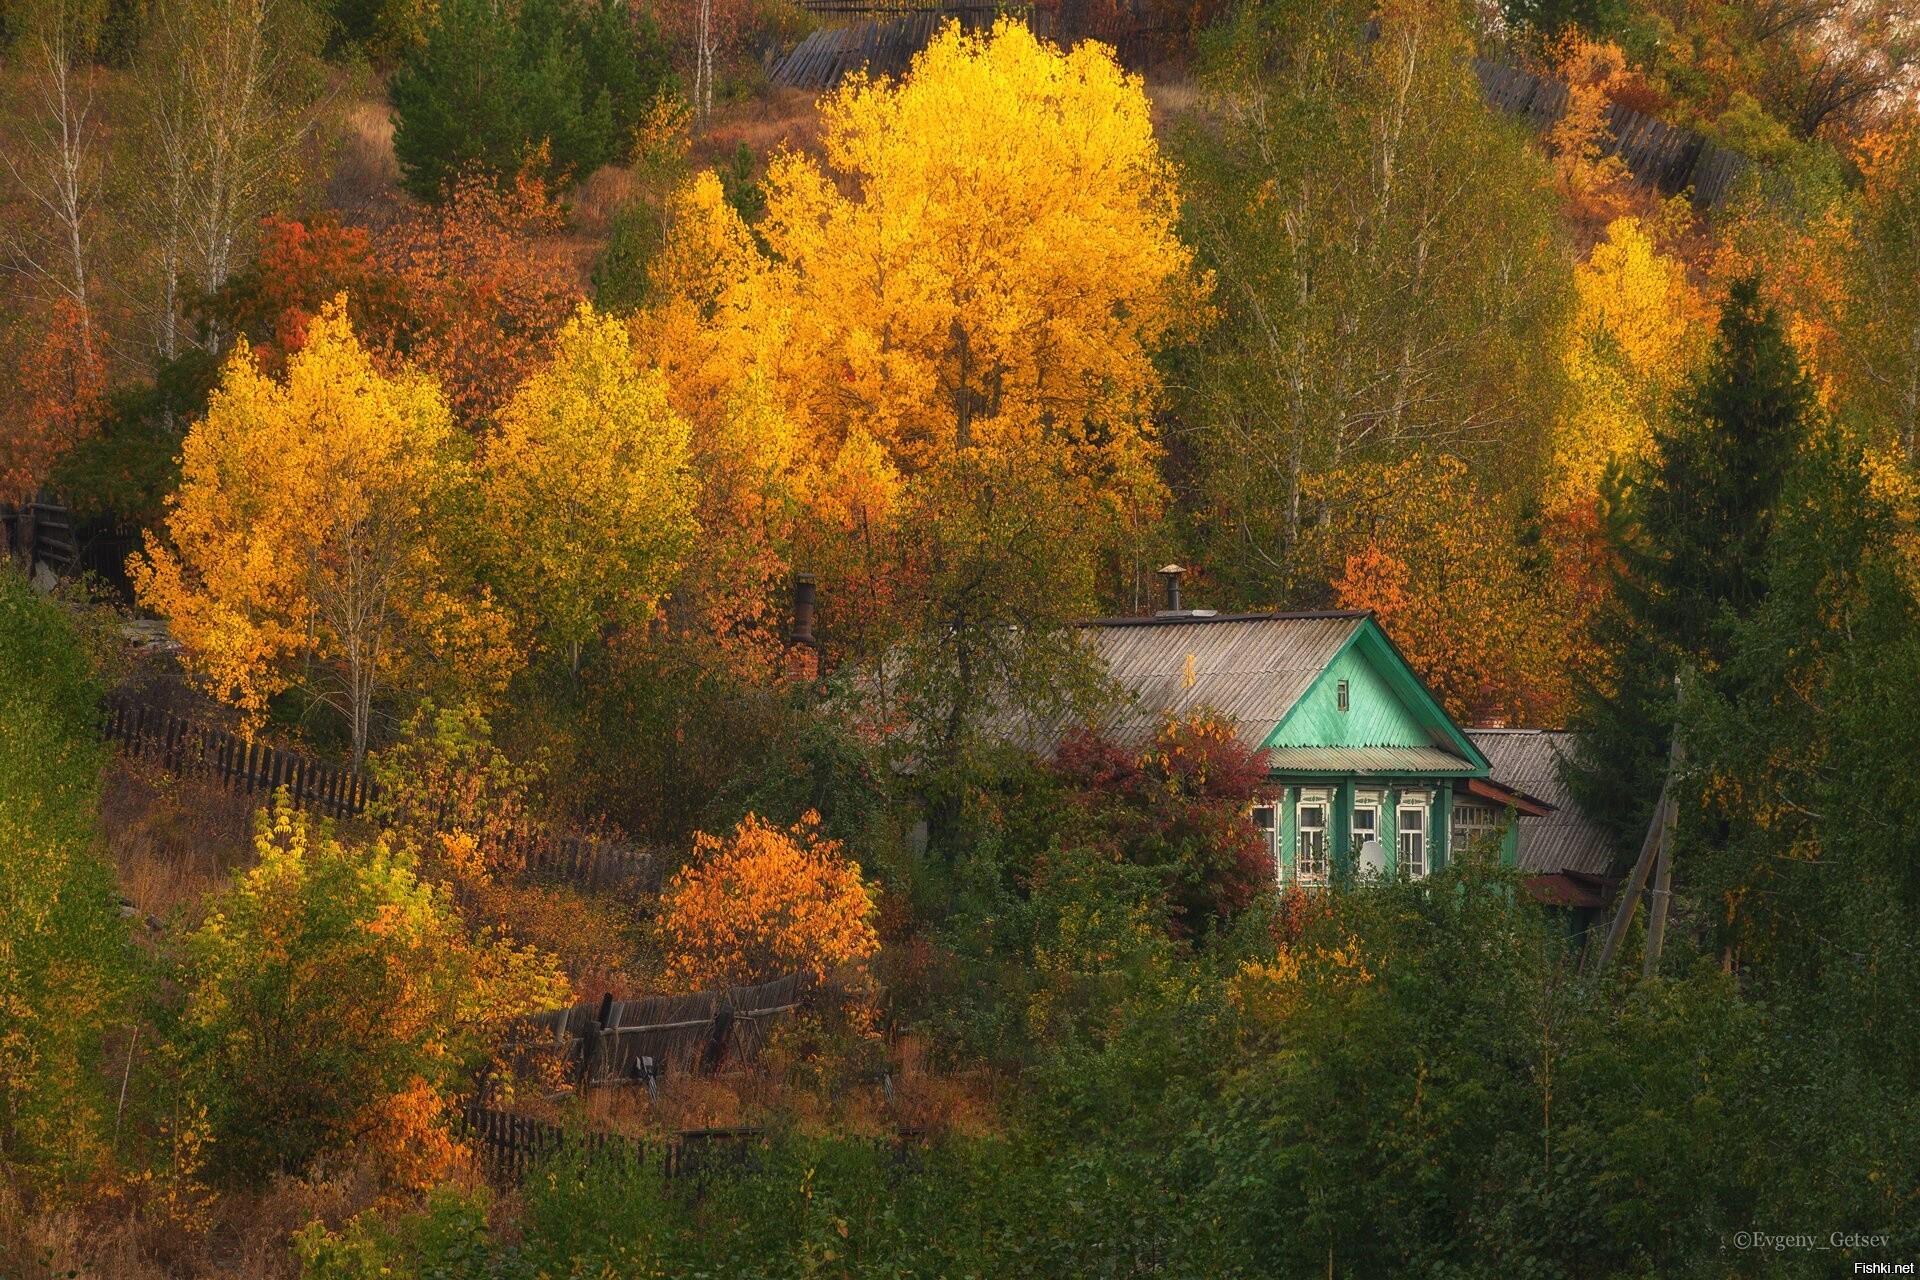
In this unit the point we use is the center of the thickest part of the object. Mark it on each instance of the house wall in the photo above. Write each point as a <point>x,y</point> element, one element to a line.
<point>1342,794</point>
<point>1375,715</point>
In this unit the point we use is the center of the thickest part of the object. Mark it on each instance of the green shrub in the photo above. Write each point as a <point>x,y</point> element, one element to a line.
<point>65,960</point>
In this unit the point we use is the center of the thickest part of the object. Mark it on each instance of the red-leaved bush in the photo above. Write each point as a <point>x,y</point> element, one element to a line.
<point>1183,806</point>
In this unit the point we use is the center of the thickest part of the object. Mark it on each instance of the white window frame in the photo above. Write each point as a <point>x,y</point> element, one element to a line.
<point>1413,802</point>
<point>1270,829</point>
<point>1473,819</point>
<point>1365,802</point>
<point>1322,801</point>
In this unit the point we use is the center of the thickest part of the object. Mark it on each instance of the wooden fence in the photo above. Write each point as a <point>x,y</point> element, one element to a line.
<point>182,746</point>
<point>508,1146</point>
<point>1659,155</point>
<point>188,748</point>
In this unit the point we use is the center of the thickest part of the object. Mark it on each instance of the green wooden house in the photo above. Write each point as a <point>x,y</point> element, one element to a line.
<point>1359,750</point>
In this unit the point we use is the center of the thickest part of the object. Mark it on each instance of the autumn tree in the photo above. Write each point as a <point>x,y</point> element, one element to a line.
<point>1181,805</point>
<point>57,400</point>
<point>306,546</point>
<point>332,998</point>
<point>586,482</point>
<point>765,902</point>
<point>1635,335</point>
<point>225,89</point>
<point>1880,332</point>
<point>300,266</point>
<point>1484,618</point>
<point>486,284</point>
<point>55,159</point>
<point>1390,275</point>
<point>956,316</point>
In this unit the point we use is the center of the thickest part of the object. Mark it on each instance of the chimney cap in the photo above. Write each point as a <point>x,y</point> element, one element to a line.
<point>1171,568</point>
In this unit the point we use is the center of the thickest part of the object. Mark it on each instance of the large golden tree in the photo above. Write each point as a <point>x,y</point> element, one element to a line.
<point>954,317</point>
<point>304,546</point>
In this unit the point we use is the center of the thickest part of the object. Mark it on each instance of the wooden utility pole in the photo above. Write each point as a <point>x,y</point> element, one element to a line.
<point>1659,842</point>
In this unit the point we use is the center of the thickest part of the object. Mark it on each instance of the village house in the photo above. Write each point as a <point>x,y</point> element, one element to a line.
<point>1366,768</point>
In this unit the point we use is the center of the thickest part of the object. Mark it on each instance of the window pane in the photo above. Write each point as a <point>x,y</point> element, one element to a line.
<point>1366,821</point>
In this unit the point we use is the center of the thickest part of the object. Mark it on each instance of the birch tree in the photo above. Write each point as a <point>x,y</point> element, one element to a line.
<point>1389,271</point>
<point>304,548</point>
<point>225,86</point>
<point>55,160</point>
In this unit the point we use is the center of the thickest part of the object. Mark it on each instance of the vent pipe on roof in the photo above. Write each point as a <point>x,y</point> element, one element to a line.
<point>1170,574</point>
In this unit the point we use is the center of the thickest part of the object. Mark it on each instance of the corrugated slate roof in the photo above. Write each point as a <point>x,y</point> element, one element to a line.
<point>1564,840</point>
<point>1247,669</point>
<point>1423,760</point>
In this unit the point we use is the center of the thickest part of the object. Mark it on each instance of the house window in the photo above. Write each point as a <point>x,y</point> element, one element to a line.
<point>1473,822</point>
<point>1266,822</point>
<point>1340,694</point>
<point>1366,821</point>
<point>1412,848</point>
<point>1310,840</point>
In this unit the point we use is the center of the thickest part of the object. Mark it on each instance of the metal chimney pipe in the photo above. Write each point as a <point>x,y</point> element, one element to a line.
<point>1170,574</point>
<point>804,586</point>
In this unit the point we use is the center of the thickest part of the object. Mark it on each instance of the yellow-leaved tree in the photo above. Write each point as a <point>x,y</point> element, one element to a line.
<point>955,316</point>
<point>588,489</point>
<point>1637,330</point>
<point>305,545</point>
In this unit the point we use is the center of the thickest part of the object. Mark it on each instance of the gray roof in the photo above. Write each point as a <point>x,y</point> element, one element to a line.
<point>1365,760</point>
<point>1565,840</point>
<point>1247,669</point>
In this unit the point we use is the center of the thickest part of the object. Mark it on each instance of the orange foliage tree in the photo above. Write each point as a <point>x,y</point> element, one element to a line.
<point>764,902</point>
<point>58,401</point>
<point>1489,623</point>
<point>487,287</point>
<point>300,267</point>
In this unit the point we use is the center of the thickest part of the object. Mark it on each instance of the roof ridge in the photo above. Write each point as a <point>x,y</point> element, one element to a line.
<point>1278,615</point>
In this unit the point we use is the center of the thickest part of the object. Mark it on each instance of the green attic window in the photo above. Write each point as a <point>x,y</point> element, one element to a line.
<point>1340,694</point>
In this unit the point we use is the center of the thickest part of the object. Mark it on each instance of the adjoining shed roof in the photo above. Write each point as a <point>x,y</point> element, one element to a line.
<point>1248,669</point>
<point>1564,840</point>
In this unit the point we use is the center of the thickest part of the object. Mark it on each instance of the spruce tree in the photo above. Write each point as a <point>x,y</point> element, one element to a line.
<point>1690,532</point>
<point>493,83</point>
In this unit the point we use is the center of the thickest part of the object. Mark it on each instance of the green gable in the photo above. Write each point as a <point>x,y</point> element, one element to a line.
<point>1390,723</point>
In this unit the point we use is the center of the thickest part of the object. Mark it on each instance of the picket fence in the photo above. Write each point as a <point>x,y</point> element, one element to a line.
<point>509,1146</point>
<point>191,749</point>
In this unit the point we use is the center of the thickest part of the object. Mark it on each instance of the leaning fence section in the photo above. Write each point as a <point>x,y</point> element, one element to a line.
<point>1659,155</point>
<point>618,1042</point>
<point>183,746</point>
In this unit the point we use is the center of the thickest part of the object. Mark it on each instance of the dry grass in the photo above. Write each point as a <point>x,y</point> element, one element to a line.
<point>172,839</point>
<point>365,183</point>
<point>599,198</point>
<point>779,118</point>
<point>124,1233</point>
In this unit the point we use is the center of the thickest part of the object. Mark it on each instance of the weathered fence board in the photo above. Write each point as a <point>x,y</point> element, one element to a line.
<point>1658,155</point>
